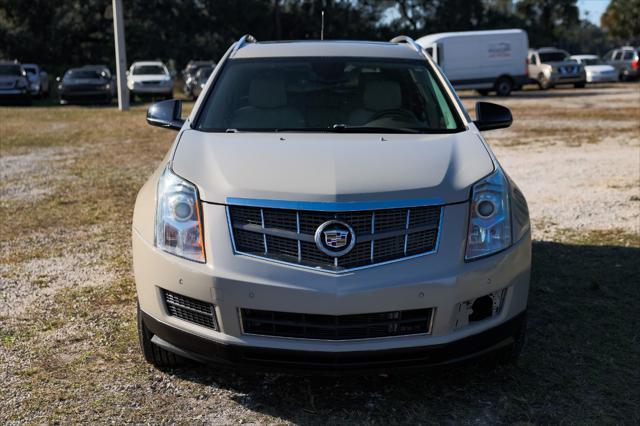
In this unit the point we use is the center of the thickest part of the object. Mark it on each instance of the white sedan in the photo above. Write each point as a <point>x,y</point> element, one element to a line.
<point>597,71</point>
<point>150,79</point>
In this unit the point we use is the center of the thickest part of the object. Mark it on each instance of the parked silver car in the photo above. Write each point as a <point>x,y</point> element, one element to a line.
<point>597,71</point>
<point>38,80</point>
<point>330,206</point>
<point>549,67</point>
<point>625,61</point>
<point>149,79</point>
<point>14,85</point>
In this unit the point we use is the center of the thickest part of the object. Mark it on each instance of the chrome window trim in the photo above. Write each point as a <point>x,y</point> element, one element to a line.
<point>263,336</point>
<point>286,205</point>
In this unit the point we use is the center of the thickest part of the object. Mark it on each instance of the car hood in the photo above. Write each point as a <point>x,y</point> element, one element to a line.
<point>599,68</point>
<point>332,167</point>
<point>84,81</point>
<point>563,64</point>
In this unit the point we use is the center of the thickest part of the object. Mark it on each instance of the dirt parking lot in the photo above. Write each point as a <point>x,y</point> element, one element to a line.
<point>68,343</point>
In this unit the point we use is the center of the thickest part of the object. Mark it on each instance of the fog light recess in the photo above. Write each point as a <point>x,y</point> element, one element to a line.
<point>478,309</point>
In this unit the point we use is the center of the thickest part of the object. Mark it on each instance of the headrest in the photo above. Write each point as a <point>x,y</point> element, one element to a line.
<point>267,92</point>
<point>382,95</point>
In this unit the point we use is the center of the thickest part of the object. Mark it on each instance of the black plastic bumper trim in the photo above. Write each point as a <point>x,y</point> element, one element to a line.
<point>327,363</point>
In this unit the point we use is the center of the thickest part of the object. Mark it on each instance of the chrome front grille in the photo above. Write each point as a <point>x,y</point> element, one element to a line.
<point>288,235</point>
<point>336,327</point>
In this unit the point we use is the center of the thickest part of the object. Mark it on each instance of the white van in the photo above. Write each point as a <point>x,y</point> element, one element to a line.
<point>487,61</point>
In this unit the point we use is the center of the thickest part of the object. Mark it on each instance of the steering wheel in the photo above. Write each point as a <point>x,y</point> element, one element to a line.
<point>400,114</point>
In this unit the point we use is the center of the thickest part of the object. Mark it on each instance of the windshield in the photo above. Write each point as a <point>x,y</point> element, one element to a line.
<point>558,56</point>
<point>83,74</point>
<point>12,70</point>
<point>321,94</point>
<point>30,70</point>
<point>148,69</point>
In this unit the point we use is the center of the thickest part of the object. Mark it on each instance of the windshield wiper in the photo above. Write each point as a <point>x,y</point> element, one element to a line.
<point>343,128</point>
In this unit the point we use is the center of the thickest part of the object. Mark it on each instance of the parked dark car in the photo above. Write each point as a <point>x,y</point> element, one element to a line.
<point>14,85</point>
<point>200,80</point>
<point>189,75</point>
<point>90,83</point>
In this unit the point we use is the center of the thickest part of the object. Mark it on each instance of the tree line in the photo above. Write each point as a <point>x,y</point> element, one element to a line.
<point>64,33</point>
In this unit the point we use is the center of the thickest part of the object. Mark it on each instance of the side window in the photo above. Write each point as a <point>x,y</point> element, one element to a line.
<point>535,60</point>
<point>616,55</point>
<point>628,55</point>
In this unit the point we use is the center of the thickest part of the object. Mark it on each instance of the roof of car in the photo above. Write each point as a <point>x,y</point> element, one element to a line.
<point>147,63</point>
<point>584,56</point>
<point>548,49</point>
<point>318,48</point>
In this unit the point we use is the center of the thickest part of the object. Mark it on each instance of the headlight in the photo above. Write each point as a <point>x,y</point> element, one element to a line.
<point>489,218</point>
<point>178,221</point>
<point>107,86</point>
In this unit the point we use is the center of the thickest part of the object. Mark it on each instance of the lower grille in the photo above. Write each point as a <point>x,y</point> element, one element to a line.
<point>341,327</point>
<point>192,310</point>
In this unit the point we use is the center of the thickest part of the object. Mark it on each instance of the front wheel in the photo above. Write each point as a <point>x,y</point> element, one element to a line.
<point>544,82</point>
<point>580,85</point>
<point>504,85</point>
<point>510,354</point>
<point>154,354</point>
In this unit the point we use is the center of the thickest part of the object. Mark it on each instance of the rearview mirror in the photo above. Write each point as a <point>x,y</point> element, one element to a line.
<point>167,114</point>
<point>491,116</point>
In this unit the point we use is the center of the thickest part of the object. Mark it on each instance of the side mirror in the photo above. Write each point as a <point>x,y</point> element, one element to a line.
<point>491,116</point>
<point>167,114</point>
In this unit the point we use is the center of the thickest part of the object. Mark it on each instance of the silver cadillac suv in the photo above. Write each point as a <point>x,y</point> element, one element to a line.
<point>330,206</point>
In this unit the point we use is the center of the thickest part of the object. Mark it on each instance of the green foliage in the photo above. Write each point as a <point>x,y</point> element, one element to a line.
<point>622,20</point>
<point>63,33</point>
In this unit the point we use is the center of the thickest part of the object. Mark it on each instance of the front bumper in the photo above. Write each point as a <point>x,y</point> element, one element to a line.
<point>333,363</point>
<point>602,78</point>
<point>151,90</point>
<point>14,93</point>
<point>89,95</point>
<point>567,79</point>
<point>441,281</point>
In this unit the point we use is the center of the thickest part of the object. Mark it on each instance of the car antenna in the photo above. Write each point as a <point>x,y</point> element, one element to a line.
<point>322,26</point>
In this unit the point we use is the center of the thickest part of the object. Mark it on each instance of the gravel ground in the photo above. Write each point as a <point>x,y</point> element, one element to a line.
<point>569,182</point>
<point>68,349</point>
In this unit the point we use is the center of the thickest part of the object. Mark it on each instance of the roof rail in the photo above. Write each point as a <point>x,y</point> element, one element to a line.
<point>247,38</point>
<point>408,40</point>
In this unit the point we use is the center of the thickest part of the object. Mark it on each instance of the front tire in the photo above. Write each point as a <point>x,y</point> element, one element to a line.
<point>504,86</point>
<point>153,354</point>
<point>544,82</point>
<point>511,354</point>
<point>580,85</point>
